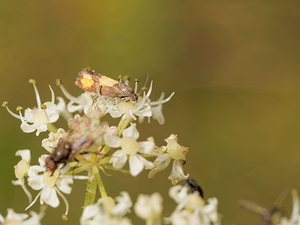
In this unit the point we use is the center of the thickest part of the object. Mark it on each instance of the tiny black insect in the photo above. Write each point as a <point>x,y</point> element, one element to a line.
<point>194,186</point>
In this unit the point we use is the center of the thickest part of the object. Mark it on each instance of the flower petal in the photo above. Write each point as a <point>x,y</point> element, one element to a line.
<point>131,132</point>
<point>118,159</point>
<point>49,196</point>
<point>177,173</point>
<point>112,140</point>
<point>147,147</point>
<point>25,154</point>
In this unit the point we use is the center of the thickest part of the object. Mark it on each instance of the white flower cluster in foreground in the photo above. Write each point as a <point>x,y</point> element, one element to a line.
<point>88,147</point>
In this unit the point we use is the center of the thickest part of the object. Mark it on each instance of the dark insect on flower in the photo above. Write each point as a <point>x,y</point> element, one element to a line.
<point>268,217</point>
<point>194,186</point>
<point>91,81</point>
<point>82,134</point>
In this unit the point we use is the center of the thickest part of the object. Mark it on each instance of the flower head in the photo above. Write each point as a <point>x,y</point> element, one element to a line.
<point>131,149</point>
<point>172,151</point>
<point>13,218</point>
<point>149,207</point>
<point>38,118</point>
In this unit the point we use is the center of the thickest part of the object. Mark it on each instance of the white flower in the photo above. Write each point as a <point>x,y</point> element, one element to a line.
<point>36,119</point>
<point>192,202</point>
<point>91,104</point>
<point>185,217</point>
<point>130,148</point>
<point>149,207</point>
<point>51,142</point>
<point>106,212</point>
<point>123,205</point>
<point>49,183</point>
<point>13,218</point>
<point>142,108</point>
<point>21,170</point>
<point>166,153</point>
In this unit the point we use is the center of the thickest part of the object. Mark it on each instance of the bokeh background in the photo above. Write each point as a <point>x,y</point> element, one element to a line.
<point>234,65</point>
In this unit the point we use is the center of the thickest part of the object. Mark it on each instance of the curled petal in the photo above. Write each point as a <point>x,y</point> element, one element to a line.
<point>112,140</point>
<point>131,132</point>
<point>160,163</point>
<point>118,159</point>
<point>177,173</point>
<point>28,128</point>
<point>25,154</point>
<point>64,184</point>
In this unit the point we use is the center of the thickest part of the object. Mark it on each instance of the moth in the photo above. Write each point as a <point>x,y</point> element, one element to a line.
<point>83,132</point>
<point>89,80</point>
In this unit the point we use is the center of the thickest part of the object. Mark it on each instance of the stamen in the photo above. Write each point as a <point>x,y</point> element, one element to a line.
<point>162,101</point>
<point>145,97</point>
<point>66,93</point>
<point>37,95</point>
<point>21,183</point>
<point>126,79</point>
<point>136,85</point>
<point>35,199</point>
<point>43,106</point>
<point>4,104</point>
<point>120,78</point>
<point>65,200</point>
<point>52,95</point>
<point>58,82</point>
<point>19,108</point>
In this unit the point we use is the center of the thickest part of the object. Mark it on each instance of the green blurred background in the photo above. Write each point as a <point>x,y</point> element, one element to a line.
<point>234,66</point>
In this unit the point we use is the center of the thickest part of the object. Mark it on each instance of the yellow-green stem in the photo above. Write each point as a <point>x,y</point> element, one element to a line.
<point>99,182</point>
<point>51,128</point>
<point>123,124</point>
<point>91,188</point>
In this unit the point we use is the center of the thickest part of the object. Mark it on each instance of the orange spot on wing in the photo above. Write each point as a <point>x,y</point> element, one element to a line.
<point>86,81</point>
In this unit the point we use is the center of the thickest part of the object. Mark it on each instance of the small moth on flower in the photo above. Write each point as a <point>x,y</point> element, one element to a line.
<point>91,81</point>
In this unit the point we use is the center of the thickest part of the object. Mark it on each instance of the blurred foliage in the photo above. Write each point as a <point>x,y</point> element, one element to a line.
<point>234,67</point>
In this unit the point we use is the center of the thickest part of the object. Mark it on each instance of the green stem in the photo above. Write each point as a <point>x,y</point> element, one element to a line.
<point>51,128</point>
<point>99,181</point>
<point>105,150</point>
<point>123,124</point>
<point>91,188</point>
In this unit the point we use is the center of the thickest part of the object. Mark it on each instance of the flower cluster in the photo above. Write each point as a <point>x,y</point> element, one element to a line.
<point>89,146</point>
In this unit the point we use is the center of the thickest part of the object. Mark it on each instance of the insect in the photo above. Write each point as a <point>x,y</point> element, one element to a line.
<point>82,134</point>
<point>268,217</point>
<point>194,186</point>
<point>91,81</point>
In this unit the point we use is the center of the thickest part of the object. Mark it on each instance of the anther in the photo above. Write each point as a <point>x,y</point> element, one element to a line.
<point>32,81</point>
<point>58,82</point>
<point>136,80</point>
<point>19,108</point>
<point>65,217</point>
<point>43,106</point>
<point>5,103</point>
